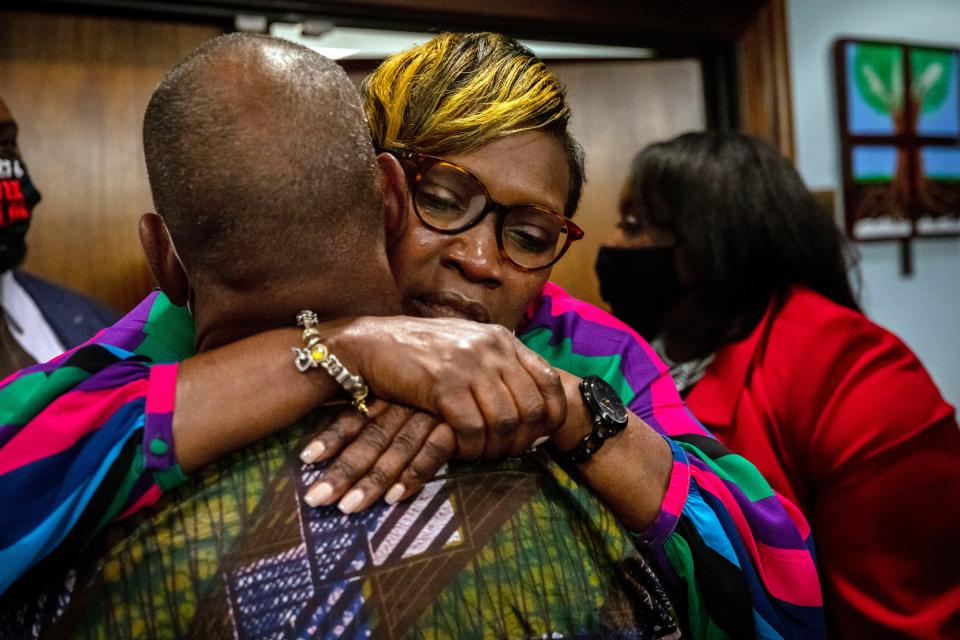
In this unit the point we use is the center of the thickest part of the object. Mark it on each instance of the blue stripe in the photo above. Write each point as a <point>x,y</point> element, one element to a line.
<point>41,486</point>
<point>790,621</point>
<point>123,354</point>
<point>708,525</point>
<point>44,520</point>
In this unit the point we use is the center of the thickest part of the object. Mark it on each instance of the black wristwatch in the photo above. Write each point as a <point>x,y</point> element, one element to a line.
<point>609,417</point>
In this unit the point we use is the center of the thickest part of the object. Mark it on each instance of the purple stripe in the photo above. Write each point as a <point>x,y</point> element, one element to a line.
<point>7,431</point>
<point>659,559</point>
<point>638,366</point>
<point>158,426</point>
<point>128,332</point>
<point>591,339</point>
<point>47,367</point>
<point>115,376</point>
<point>766,517</point>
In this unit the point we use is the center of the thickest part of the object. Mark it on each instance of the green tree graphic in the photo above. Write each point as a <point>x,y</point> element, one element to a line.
<point>879,80</point>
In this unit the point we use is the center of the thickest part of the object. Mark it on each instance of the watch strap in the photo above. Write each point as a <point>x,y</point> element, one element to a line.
<point>590,444</point>
<point>601,429</point>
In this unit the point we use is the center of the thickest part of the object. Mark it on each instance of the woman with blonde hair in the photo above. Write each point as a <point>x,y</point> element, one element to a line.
<point>473,137</point>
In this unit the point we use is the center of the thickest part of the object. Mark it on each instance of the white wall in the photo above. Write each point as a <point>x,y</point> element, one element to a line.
<point>924,310</point>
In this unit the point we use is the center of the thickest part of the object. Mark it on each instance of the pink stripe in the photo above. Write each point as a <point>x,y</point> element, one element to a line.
<point>162,389</point>
<point>667,405</point>
<point>791,569</point>
<point>789,575</point>
<point>64,422</point>
<point>562,302</point>
<point>151,496</point>
<point>677,490</point>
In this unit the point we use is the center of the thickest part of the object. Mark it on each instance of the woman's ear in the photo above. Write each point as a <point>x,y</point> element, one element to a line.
<point>162,258</point>
<point>395,195</point>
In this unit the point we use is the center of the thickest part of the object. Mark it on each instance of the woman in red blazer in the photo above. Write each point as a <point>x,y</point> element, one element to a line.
<point>724,260</point>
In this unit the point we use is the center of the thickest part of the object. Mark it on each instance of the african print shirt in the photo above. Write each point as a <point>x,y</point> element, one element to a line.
<point>735,556</point>
<point>508,550</point>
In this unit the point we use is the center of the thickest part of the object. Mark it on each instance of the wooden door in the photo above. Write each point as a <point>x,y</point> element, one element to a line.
<point>618,108</point>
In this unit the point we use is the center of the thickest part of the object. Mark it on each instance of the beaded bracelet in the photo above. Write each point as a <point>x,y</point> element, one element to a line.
<point>315,354</point>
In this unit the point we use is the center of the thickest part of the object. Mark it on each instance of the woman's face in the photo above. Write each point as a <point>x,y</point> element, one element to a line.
<point>633,230</point>
<point>464,275</point>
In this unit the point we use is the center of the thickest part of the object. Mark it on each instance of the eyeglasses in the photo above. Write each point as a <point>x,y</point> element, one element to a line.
<point>449,199</point>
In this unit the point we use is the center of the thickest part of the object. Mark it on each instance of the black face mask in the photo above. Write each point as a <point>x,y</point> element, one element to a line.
<point>640,284</point>
<point>18,197</point>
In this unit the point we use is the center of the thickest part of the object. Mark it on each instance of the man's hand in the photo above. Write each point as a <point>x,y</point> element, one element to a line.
<point>494,393</point>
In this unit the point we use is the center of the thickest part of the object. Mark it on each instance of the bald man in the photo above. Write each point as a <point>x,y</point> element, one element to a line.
<point>38,319</point>
<point>271,200</point>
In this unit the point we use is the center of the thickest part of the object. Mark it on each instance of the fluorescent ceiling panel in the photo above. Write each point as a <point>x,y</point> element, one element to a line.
<point>376,44</point>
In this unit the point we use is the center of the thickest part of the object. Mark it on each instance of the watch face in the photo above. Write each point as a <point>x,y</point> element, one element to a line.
<point>609,406</point>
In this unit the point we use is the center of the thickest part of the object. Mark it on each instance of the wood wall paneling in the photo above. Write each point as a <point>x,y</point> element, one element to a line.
<point>639,22</point>
<point>763,68</point>
<point>78,87</point>
<point>619,108</point>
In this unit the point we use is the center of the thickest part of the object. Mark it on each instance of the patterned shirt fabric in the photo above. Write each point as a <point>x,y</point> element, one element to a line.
<point>81,419</point>
<point>735,555</point>
<point>507,550</point>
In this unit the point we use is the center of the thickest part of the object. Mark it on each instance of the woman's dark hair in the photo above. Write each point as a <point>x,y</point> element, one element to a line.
<point>748,222</point>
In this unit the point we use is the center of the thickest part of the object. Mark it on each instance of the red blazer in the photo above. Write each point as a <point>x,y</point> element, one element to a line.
<point>842,418</point>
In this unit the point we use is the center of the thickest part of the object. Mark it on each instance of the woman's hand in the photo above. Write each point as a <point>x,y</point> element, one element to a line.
<point>479,378</point>
<point>392,455</point>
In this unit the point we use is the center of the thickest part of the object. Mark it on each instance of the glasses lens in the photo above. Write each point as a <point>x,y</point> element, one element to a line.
<point>447,198</point>
<point>533,238</point>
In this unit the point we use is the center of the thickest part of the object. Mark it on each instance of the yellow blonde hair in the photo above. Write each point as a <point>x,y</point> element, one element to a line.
<point>458,92</point>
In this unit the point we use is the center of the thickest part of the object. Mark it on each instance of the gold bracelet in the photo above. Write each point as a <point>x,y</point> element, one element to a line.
<point>315,354</point>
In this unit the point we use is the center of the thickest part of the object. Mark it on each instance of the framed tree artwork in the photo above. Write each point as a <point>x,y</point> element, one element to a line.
<point>899,118</point>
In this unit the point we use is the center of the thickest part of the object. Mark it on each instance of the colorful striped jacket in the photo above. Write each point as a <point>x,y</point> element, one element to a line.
<point>736,557</point>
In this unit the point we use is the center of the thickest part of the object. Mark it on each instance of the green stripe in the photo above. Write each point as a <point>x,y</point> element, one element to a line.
<point>562,356</point>
<point>25,397</point>
<point>123,491</point>
<point>736,469</point>
<point>169,333</point>
<point>699,622</point>
<point>170,477</point>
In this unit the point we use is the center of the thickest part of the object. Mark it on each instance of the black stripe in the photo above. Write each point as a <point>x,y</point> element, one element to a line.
<point>720,584</point>
<point>389,523</point>
<point>710,446</point>
<point>70,550</point>
<point>92,358</point>
<point>441,540</point>
<point>425,516</point>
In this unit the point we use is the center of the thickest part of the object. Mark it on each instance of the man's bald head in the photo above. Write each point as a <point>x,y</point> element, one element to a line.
<point>260,162</point>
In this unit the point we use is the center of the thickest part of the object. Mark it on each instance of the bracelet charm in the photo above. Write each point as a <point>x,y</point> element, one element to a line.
<point>315,354</point>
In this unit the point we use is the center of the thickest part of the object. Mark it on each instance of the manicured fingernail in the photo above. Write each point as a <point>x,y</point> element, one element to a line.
<point>396,492</point>
<point>319,494</point>
<point>313,451</point>
<point>539,441</point>
<point>351,501</point>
